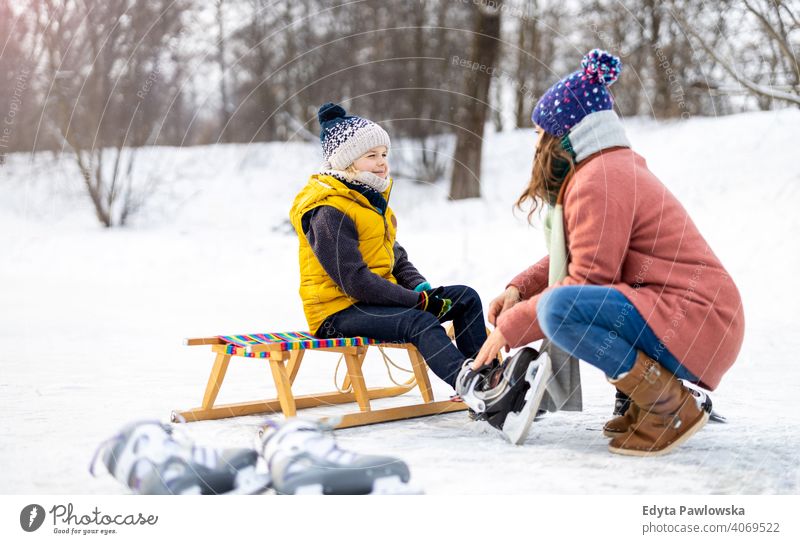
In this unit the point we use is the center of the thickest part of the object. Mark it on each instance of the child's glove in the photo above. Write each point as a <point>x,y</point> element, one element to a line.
<point>430,301</point>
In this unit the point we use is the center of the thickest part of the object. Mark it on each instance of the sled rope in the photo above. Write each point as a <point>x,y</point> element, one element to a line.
<point>387,361</point>
<point>336,378</point>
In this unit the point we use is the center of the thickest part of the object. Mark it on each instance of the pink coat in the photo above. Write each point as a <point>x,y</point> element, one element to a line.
<point>626,230</point>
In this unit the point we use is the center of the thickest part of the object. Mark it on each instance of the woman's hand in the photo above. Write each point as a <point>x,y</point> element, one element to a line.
<point>506,300</point>
<point>490,348</point>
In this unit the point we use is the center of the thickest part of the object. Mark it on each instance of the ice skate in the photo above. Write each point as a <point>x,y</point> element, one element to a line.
<point>304,458</point>
<point>508,395</point>
<point>704,400</point>
<point>149,459</point>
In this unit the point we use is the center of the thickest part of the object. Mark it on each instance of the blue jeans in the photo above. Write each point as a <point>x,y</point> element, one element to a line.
<point>600,326</point>
<point>423,329</point>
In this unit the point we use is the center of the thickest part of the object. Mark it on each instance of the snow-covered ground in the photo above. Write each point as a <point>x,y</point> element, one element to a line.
<point>91,320</point>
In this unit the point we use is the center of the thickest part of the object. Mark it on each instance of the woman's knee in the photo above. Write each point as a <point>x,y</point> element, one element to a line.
<point>552,310</point>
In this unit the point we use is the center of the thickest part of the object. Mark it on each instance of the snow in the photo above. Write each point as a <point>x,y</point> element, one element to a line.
<point>92,319</point>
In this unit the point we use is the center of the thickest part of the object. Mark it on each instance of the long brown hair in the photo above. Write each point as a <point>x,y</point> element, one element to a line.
<point>552,167</point>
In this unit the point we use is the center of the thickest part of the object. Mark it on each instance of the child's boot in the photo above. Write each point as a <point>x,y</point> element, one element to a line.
<point>668,412</point>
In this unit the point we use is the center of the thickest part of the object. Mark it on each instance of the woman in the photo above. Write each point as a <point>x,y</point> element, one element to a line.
<point>641,295</point>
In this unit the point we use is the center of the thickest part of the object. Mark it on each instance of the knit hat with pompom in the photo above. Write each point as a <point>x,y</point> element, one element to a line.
<point>567,102</point>
<point>345,137</point>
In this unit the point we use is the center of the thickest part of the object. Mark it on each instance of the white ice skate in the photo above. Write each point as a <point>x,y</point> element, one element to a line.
<point>148,458</point>
<point>304,458</point>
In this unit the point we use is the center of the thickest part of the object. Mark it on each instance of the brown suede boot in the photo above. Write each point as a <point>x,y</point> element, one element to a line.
<point>621,424</point>
<point>668,412</point>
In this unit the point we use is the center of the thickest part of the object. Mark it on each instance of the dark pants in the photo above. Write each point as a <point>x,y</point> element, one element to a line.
<point>600,326</point>
<point>423,329</point>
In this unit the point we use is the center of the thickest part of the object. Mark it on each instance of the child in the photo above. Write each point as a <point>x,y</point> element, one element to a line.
<point>635,290</point>
<point>355,279</point>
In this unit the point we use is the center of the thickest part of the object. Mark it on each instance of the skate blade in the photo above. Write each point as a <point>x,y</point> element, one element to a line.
<point>387,485</point>
<point>517,425</point>
<point>717,418</point>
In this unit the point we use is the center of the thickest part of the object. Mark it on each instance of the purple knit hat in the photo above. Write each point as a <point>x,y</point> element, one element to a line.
<point>567,102</point>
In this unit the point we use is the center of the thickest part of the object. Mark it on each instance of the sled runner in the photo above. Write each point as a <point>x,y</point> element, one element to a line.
<point>284,353</point>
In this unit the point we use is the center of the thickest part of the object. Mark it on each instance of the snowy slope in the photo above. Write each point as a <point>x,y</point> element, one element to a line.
<point>92,319</point>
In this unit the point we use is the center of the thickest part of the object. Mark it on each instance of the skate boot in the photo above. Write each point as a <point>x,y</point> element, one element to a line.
<point>621,403</point>
<point>626,413</point>
<point>149,459</point>
<point>668,411</point>
<point>508,395</point>
<point>303,458</point>
<point>487,374</point>
<point>705,401</point>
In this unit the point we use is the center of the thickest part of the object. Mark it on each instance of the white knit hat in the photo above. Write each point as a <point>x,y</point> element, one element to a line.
<point>346,137</point>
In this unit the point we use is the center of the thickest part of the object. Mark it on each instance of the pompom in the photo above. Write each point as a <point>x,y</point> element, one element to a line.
<point>601,66</point>
<point>330,111</point>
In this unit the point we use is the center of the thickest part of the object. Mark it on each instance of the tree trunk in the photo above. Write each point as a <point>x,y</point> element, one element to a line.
<point>465,181</point>
<point>225,114</point>
<point>527,54</point>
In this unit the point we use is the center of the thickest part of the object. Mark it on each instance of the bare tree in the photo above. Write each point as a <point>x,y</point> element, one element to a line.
<point>20,100</point>
<point>109,77</point>
<point>225,112</point>
<point>777,74</point>
<point>105,62</point>
<point>529,59</point>
<point>465,180</point>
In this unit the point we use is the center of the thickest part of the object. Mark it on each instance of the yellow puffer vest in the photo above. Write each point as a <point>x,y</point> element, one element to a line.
<point>321,296</point>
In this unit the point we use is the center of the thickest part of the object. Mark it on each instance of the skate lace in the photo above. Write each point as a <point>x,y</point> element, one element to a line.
<point>337,455</point>
<point>491,393</point>
<point>206,456</point>
<point>324,447</point>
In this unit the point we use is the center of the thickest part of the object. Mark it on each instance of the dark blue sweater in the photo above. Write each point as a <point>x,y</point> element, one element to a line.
<point>334,239</point>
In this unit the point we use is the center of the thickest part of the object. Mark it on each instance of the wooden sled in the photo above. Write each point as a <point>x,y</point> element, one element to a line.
<point>285,351</point>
